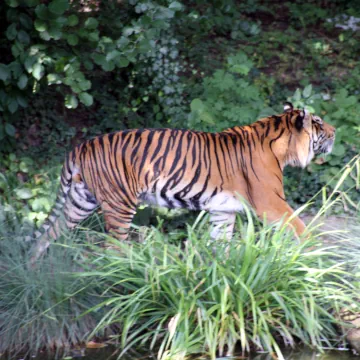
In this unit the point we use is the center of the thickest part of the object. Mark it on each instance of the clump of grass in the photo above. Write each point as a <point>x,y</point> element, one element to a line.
<point>39,308</point>
<point>260,290</point>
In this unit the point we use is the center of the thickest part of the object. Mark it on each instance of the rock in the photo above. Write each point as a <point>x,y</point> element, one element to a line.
<point>352,334</point>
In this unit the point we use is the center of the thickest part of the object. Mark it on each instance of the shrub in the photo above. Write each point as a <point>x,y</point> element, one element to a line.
<point>228,98</point>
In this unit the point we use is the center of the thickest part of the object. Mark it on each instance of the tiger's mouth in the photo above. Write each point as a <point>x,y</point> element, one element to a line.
<point>327,146</point>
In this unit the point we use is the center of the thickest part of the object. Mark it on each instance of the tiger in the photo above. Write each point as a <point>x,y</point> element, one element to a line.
<point>173,168</point>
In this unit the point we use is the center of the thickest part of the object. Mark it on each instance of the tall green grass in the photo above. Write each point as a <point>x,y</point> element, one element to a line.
<point>260,291</point>
<point>40,307</point>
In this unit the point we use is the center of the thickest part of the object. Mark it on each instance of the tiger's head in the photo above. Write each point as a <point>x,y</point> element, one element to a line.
<point>310,136</point>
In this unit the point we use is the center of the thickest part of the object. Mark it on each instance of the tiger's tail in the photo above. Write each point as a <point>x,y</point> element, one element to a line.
<point>74,203</point>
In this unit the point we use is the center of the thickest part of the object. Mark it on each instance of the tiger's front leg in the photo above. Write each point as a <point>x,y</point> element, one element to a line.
<point>222,224</point>
<point>283,212</point>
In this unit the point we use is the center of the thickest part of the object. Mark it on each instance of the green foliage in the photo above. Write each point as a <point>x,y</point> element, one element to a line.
<point>26,196</point>
<point>55,44</point>
<point>228,98</point>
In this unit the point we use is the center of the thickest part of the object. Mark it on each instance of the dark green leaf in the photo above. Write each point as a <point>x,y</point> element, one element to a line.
<point>10,129</point>
<point>13,3</point>
<point>11,32</point>
<point>72,39</point>
<point>58,7</point>
<point>22,101</point>
<point>88,65</point>
<point>22,82</point>
<point>60,21</point>
<point>99,59</point>
<point>85,85</point>
<point>16,68</point>
<point>112,55</point>
<point>338,150</point>
<point>29,62</point>
<point>76,88</point>
<point>94,36</point>
<point>4,72</point>
<point>86,98</point>
<point>42,12</point>
<point>13,106</point>
<point>144,45</point>
<point>17,49</point>
<point>122,62</point>
<point>91,23</point>
<point>122,42</point>
<point>83,33</point>
<point>32,2</point>
<point>72,20</point>
<point>108,66</point>
<point>23,37</point>
<point>25,21</point>
<point>2,132</point>
<point>55,33</point>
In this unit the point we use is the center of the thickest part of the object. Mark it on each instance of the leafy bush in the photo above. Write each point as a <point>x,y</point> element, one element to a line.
<point>59,44</point>
<point>228,98</point>
<point>27,193</point>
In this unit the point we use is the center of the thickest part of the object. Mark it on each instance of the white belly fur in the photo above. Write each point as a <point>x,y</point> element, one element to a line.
<point>221,202</point>
<point>224,202</point>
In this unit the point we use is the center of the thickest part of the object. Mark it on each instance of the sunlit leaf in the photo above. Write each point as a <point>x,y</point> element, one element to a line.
<point>86,98</point>
<point>24,194</point>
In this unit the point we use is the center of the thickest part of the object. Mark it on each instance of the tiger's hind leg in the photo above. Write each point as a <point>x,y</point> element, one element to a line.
<point>118,216</point>
<point>80,203</point>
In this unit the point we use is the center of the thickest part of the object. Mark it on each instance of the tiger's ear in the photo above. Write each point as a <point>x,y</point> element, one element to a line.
<point>288,107</point>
